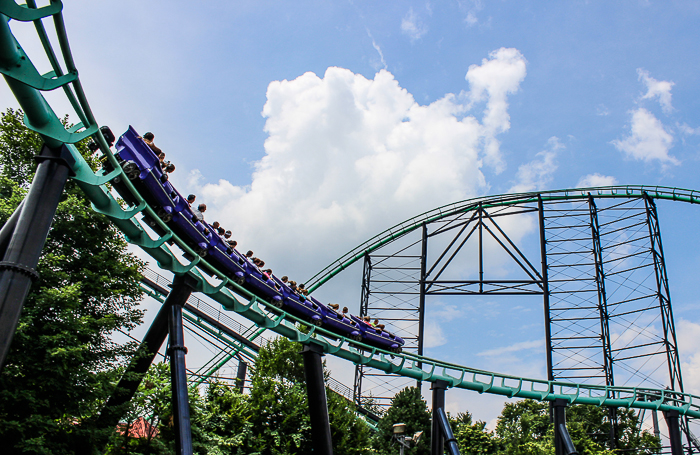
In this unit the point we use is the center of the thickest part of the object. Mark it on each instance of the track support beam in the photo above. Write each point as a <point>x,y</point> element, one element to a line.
<point>18,265</point>
<point>437,441</point>
<point>132,377</point>
<point>178,373</point>
<point>318,405</point>
<point>674,431</point>
<point>562,441</point>
<point>240,374</point>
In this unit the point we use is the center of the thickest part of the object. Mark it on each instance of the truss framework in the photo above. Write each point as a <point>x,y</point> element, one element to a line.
<point>601,273</point>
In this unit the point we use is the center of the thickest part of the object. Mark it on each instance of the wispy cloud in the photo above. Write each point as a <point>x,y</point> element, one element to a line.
<point>536,174</point>
<point>412,26</point>
<point>516,347</point>
<point>593,180</point>
<point>657,89</point>
<point>378,49</point>
<point>474,7</point>
<point>602,110</point>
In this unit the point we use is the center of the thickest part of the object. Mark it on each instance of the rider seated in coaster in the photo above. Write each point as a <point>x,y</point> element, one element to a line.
<point>221,231</point>
<point>190,199</point>
<point>284,279</point>
<point>249,254</point>
<point>199,212</point>
<point>345,312</point>
<point>215,225</point>
<point>148,139</point>
<point>333,306</point>
<point>169,169</point>
<point>378,325</point>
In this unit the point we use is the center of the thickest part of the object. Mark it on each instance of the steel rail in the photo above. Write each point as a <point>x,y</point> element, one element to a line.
<point>235,298</point>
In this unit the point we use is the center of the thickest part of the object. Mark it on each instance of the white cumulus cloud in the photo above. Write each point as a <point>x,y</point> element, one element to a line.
<point>347,157</point>
<point>648,139</point>
<point>593,180</point>
<point>412,26</point>
<point>657,89</point>
<point>494,80</point>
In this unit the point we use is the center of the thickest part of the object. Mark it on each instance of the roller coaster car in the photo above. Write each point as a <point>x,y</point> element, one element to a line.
<point>379,338</point>
<point>342,325</point>
<point>142,167</point>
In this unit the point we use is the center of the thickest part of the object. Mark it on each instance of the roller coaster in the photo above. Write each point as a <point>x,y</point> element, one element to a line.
<point>60,160</point>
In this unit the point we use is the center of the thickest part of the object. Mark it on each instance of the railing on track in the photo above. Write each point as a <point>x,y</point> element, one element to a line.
<point>27,85</point>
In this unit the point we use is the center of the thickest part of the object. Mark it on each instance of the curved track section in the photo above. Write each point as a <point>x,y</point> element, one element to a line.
<point>502,200</point>
<point>27,84</point>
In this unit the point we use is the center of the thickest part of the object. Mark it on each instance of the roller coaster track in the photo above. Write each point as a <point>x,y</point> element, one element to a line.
<point>27,84</point>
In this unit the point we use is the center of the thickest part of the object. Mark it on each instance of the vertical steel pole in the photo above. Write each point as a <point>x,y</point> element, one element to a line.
<point>559,410</point>
<point>481,249</point>
<point>364,303</point>
<point>603,314</point>
<point>178,371</point>
<point>437,441</point>
<point>421,303</point>
<point>545,289</point>
<point>318,405</point>
<point>17,268</point>
<point>674,431</point>
<point>664,296</point>
<point>240,375</point>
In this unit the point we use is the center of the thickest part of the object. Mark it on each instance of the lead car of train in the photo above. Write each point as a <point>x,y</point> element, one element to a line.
<point>142,167</point>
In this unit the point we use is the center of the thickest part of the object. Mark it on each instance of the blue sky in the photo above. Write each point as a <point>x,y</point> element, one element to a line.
<point>309,127</point>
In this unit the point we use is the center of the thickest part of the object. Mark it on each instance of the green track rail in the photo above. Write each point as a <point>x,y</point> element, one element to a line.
<point>27,84</point>
<point>502,200</point>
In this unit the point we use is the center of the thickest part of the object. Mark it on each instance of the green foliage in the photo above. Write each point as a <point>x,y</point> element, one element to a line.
<point>407,407</point>
<point>472,437</point>
<point>524,428</point>
<point>272,419</point>
<point>18,145</point>
<point>63,362</point>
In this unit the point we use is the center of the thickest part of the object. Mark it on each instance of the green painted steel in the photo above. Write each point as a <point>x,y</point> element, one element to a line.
<point>232,297</point>
<point>502,200</point>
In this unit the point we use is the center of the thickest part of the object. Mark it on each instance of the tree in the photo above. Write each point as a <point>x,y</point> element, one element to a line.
<point>278,406</point>
<point>407,407</point>
<point>524,428</point>
<point>63,361</point>
<point>472,437</point>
